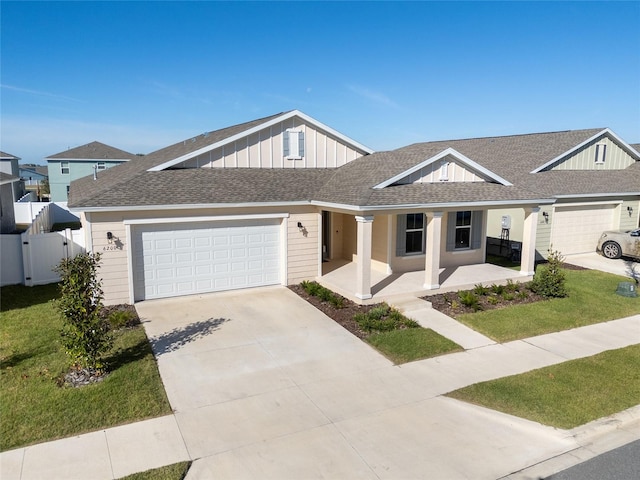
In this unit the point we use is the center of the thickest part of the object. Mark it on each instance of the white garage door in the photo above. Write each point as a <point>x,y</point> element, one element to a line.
<point>183,259</point>
<point>577,229</point>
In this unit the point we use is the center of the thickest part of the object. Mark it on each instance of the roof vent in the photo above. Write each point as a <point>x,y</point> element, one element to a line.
<point>193,139</point>
<point>205,134</point>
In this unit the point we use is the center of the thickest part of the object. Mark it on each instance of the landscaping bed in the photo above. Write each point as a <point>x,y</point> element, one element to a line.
<point>397,337</point>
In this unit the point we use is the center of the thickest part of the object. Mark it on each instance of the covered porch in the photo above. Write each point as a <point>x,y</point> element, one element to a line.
<point>341,275</point>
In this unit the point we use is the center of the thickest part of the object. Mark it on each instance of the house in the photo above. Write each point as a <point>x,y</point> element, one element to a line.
<point>94,157</point>
<point>286,198</point>
<point>9,164</point>
<point>9,185</point>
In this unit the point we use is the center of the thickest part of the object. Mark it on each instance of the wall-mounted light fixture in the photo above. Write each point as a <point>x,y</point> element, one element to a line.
<point>630,210</point>
<point>300,225</point>
<point>110,236</point>
<point>546,217</point>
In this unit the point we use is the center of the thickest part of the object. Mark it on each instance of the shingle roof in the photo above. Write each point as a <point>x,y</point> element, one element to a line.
<point>511,157</point>
<point>8,156</point>
<point>93,151</point>
<point>6,178</point>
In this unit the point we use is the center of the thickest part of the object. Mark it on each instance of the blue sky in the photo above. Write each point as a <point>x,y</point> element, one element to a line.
<point>142,75</point>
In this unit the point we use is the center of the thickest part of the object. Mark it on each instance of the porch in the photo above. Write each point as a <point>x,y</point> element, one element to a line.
<point>341,277</point>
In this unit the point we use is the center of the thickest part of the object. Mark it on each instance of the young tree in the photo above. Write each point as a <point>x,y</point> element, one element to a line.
<point>549,280</point>
<point>85,334</point>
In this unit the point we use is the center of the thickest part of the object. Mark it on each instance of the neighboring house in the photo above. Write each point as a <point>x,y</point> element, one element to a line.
<point>9,164</point>
<point>92,158</point>
<point>33,174</point>
<point>280,199</point>
<point>9,184</point>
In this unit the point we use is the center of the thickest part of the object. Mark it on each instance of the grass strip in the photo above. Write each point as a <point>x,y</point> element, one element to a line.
<point>407,345</point>
<point>177,471</point>
<point>568,394</point>
<point>592,299</point>
<point>34,408</point>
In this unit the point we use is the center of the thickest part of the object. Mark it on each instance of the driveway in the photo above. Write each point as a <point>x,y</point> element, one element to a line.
<point>266,386</point>
<point>619,266</point>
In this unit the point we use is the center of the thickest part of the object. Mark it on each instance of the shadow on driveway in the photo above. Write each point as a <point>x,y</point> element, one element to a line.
<point>179,337</point>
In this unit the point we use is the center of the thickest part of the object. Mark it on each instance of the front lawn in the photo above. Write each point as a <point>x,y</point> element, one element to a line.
<point>34,407</point>
<point>177,471</point>
<point>592,299</point>
<point>568,394</point>
<point>401,346</point>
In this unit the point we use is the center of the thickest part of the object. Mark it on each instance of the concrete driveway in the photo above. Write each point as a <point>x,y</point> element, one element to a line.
<point>620,266</point>
<point>266,386</point>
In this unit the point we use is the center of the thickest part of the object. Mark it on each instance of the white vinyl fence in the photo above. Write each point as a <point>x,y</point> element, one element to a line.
<point>29,259</point>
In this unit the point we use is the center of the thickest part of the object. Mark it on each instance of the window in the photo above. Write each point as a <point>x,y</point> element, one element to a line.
<point>64,168</point>
<point>464,230</point>
<point>444,171</point>
<point>411,235</point>
<point>293,144</point>
<point>101,166</point>
<point>601,152</point>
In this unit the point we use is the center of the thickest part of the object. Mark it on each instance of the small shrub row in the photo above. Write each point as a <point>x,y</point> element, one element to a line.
<point>383,318</point>
<point>316,290</point>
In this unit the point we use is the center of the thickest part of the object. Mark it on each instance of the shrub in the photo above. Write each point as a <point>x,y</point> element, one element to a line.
<point>481,290</point>
<point>549,279</point>
<point>310,287</point>
<point>383,319</point>
<point>522,295</point>
<point>497,289</point>
<point>508,296</point>
<point>469,299</point>
<point>119,319</point>
<point>493,300</point>
<point>512,286</point>
<point>85,334</point>
<point>337,301</point>
<point>378,312</point>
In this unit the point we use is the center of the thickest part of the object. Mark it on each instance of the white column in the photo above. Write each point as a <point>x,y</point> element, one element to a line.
<point>363,285</point>
<point>528,254</point>
<point>432,253</point>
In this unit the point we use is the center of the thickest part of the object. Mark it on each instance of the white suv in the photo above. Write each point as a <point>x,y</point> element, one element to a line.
<point>616,243</point>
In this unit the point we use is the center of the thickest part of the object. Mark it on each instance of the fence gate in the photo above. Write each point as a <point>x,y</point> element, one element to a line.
<point>42,252</point>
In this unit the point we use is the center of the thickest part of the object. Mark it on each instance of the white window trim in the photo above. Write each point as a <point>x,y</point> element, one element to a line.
<point>470,227</point>
<point>601,153</point>
<point>101,166</point>
<point>63,166</point>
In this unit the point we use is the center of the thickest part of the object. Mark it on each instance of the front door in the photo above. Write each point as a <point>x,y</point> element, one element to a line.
<point>326,235</point>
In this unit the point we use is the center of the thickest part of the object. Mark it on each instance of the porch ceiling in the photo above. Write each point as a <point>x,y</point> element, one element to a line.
<point>340,276</point>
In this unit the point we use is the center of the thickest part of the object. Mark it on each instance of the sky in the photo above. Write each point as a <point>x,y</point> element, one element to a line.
<point>143,75</point>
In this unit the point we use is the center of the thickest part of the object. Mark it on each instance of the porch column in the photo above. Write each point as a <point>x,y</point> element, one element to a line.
<point>363,282</point>
<point>528,254</point>
<point>432,253</point>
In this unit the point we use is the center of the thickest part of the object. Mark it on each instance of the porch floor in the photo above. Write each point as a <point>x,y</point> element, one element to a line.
<point>340,276</point>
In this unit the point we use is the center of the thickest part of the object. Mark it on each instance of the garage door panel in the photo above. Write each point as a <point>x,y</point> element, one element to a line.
<point>577,229</point>
<point>171,260</point>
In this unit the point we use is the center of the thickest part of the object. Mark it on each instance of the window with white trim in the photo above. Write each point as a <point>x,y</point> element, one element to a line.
<point>411,234</point>
<point>101,166</point>
<point>64,168</point>
<point>444,171</point>
<point>464,230</point>
<point>293,144</point>
<point>601,152</point>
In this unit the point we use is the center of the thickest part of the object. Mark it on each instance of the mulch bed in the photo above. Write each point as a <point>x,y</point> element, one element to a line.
<point>342,316</point>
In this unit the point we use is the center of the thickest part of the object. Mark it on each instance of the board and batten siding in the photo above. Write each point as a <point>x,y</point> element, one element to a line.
<point>302,247</point>
<point>264,149</point>
<point>433,173</point>
<point>585,158</point>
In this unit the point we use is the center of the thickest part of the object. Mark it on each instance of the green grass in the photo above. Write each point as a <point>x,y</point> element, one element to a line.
<point>407,345</point>
<point>33,407</point>
<point>177,471</point>
<point>592,299</point>
<point>565,395</point>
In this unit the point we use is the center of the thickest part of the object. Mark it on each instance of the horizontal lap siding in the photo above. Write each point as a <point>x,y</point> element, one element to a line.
<point>113,266</point>
<point>302,251</point>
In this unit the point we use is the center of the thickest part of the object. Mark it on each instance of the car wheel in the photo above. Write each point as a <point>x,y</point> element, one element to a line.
<point>611,250</point>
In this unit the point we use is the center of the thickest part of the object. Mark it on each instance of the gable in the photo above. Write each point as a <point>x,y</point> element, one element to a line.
<point>603,151</point>
<point>449,166</point>
<point>291,143</point>
<point>289,140</point>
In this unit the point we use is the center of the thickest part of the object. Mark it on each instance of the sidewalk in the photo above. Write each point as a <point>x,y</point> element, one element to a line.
<point>120,451</point>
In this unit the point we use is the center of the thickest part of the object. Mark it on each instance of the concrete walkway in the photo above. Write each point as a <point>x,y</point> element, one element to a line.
<point>265,386</point>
